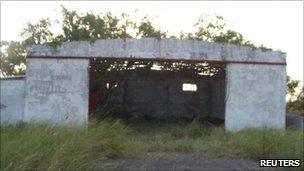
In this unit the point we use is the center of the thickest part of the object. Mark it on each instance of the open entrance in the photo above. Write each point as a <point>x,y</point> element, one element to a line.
<point>157,89</point>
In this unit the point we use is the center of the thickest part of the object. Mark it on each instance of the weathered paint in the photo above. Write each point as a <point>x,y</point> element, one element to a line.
<point>56,88</point>
<point>152,48</point>
<point>57,91</point>
<point>255,97</point>
<point>12,100</point>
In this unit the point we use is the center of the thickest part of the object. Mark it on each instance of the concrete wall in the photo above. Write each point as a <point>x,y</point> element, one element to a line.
<point>155,48</point>
<point>255,96</point>
<point>57,91</point>
<point>164,97</point>
<point>12,100</point>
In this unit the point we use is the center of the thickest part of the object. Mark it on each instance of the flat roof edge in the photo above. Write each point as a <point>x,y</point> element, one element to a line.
<point>157,48</point>
<point>157,59</point>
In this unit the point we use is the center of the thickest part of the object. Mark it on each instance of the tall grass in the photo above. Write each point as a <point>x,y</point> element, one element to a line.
<point>259,144</point>
<point>216,142</point>
<point>42,147</point>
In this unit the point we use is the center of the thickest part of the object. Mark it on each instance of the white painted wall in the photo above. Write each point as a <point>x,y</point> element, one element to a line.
<point>57,91</point>
<point>12,100</point>
<point>255,96</point>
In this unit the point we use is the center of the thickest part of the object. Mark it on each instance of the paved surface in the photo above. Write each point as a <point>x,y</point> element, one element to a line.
<point>161,161</point>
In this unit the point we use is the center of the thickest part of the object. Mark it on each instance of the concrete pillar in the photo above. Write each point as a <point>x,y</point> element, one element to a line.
<point>56,91</point>
<point>255,96</point>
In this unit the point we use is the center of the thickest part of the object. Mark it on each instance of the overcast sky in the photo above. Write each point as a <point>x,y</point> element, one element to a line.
<point>278,25</point>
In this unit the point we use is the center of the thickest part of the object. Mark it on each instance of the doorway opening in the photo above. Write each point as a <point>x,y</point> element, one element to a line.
<point>157,89</point>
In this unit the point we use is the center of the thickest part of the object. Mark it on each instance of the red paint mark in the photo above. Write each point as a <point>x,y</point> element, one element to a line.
<point>94,101</point>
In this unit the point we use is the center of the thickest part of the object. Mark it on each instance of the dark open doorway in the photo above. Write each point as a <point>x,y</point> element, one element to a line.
<point>158,89</point>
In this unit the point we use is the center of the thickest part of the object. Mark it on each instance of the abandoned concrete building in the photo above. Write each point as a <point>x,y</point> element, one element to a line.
<point>242,86</point>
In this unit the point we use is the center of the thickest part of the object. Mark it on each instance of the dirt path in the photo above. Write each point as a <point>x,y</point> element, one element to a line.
<point>162,161</point>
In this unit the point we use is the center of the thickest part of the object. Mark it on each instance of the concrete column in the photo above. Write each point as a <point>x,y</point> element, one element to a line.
<point>57,91</point>
<point>255,96</point>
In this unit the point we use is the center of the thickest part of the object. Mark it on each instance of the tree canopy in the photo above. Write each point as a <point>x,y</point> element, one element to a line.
<point>90,27</point>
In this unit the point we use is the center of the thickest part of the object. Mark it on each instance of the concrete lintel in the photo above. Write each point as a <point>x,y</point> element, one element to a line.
<point>152,48</point>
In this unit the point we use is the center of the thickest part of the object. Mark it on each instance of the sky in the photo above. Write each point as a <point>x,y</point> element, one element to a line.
<point>276,24</point>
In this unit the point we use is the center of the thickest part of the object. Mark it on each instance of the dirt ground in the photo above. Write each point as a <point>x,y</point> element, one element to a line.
<point>177,161</point>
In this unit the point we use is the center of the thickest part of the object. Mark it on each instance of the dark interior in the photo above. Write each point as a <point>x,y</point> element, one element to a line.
<point>158,89</point>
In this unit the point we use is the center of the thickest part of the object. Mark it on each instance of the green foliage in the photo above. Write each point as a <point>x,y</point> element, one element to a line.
<point>230,36</point>
<point>296,101</point>
<point>296,105</point>
<point>192,130</point>
<point>213,29</point>
<point>44,147</point>
<point>264,48</point>
<point>91,27</point>
<point>12,59</point>
<point>146,29</point>
<point>259,144</point>
<point>37,33</point>
<point>292,85</point>
<point>75,27</point>
<point>168,136</point>
<point>207,28</point>
<point>13,56</point>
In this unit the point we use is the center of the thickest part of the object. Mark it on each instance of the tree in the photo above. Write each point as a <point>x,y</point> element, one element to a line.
<point>38,33</point>
<point>75,27</point>
<point>13,56</point>
<point>213,29</point>
<point>146,29</point>
<point>295,102</point>
<point>12,59</point>
<point>90,27</point>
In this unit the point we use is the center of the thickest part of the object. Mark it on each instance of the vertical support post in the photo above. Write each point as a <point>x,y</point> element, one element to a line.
<point>57,91</point>
<point>255,96</point>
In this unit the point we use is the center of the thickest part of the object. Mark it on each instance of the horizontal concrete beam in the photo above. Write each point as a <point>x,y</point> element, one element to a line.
<point>151,48</point>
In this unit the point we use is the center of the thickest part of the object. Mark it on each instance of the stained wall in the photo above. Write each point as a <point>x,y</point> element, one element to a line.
<point>12,100</point>
<point>57,91</point>
<point>255,97</point>
<point>56,88</point>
